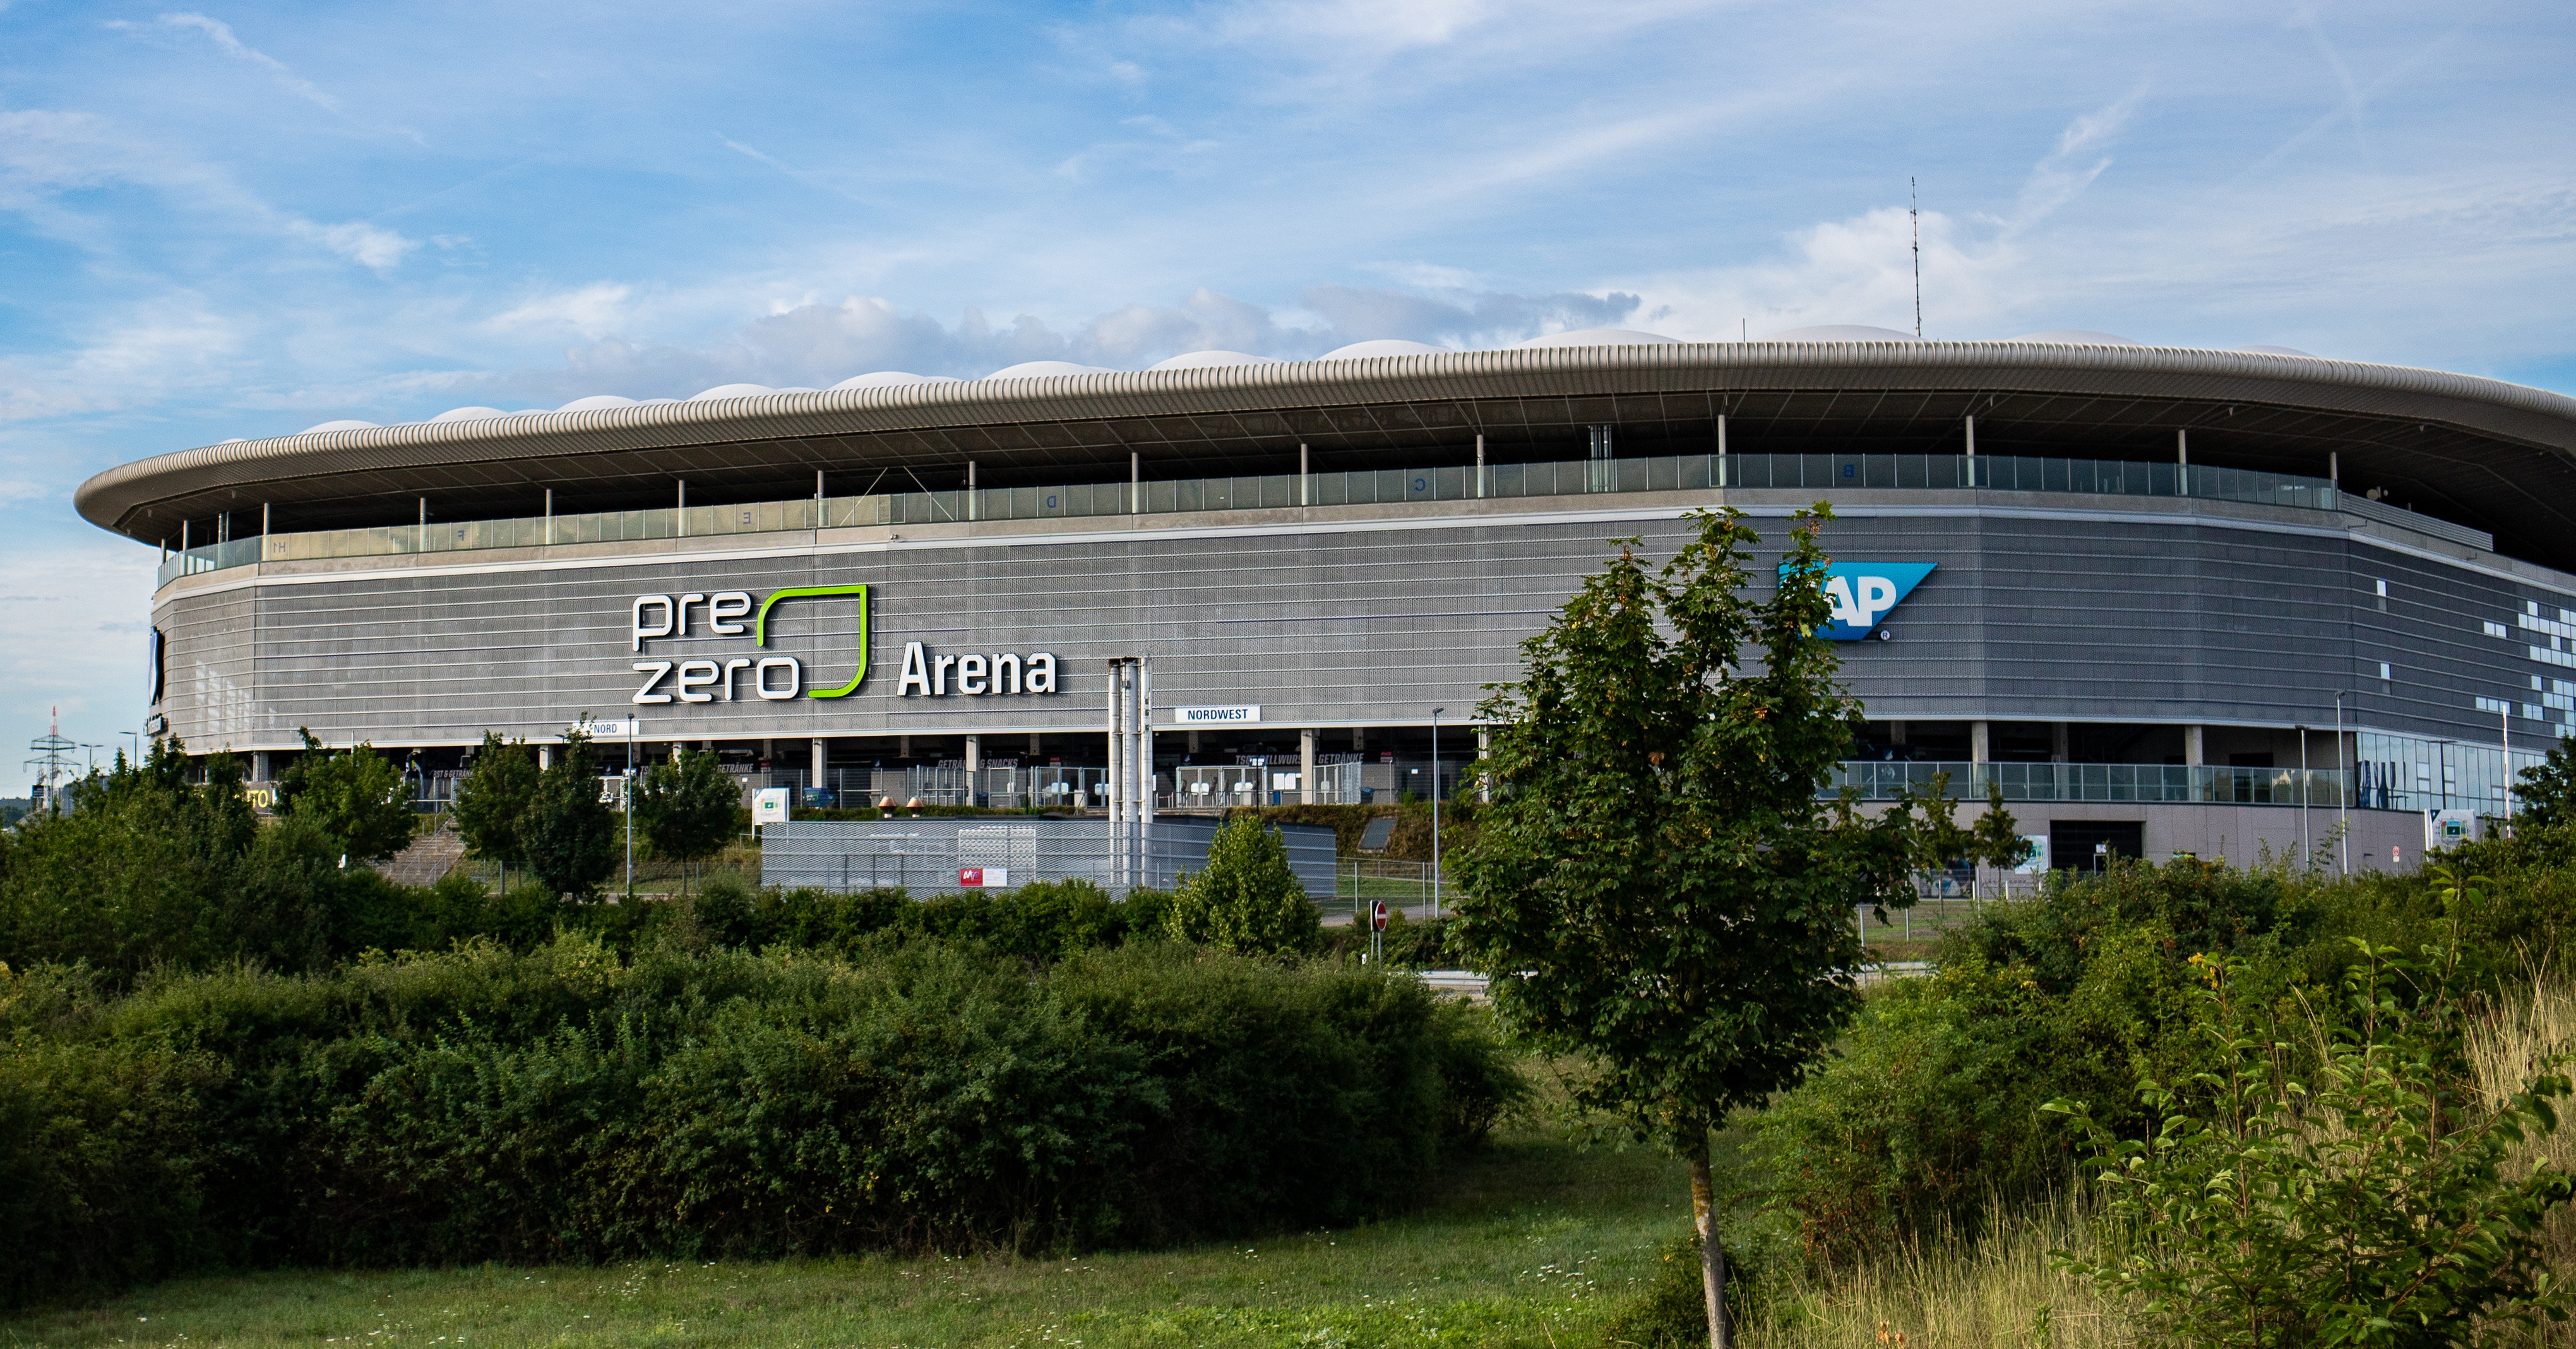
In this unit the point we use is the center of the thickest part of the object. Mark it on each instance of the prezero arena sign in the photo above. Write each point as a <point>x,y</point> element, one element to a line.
<point>1863,592</point>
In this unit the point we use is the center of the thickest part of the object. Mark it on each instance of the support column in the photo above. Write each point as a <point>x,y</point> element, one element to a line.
<point>2193,754</point>
<point>1306,767</point>
<point>974,753</point>
<point>1305,478</point>
<point>1037,745</point>
<point>259,771</point>
<point>768,752</point>
<point>1194,742</point>
<point>821,760</point>
<point>1980,745</point>
<point>545,757</point>
<point>1484,750</point>
<point>2057,742</point>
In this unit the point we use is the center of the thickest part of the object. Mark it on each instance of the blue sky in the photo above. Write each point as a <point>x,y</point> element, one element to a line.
<point>246,219</point>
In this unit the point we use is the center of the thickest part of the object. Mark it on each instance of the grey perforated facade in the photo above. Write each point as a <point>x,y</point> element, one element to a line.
<point>2087,612</point>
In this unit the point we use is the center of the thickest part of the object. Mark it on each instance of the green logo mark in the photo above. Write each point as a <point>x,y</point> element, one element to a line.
<point>760,629</point>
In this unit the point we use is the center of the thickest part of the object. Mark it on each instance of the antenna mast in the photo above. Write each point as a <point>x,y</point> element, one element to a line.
<point>1914,217</point>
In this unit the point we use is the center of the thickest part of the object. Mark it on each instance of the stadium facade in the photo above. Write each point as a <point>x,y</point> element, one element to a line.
<point>2171,600</point>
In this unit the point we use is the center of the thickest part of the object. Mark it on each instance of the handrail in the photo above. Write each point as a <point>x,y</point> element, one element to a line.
<point>1700,472</point>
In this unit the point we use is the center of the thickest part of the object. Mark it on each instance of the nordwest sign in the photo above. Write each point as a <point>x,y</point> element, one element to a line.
<point>779,678</point>
<point>1862,593</point>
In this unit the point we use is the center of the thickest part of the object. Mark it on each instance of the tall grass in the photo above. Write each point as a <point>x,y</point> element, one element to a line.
<point>2507,1044</point>
<point>1996,1291</point>
<point>2001,1291</point>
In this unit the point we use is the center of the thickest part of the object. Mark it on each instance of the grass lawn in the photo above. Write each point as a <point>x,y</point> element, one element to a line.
<point>1533,1242</point>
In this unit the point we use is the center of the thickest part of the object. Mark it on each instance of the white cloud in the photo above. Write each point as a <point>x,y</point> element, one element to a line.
<point>2073,164</point>
<point>359,242</point>
<point>221,35</point>
<point>153,351</point>
<point>46,155</point>
<point>92,598</point>
<point>594,310</point>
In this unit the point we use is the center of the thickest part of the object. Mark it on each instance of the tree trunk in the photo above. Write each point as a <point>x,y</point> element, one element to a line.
<point>1712,1255</point>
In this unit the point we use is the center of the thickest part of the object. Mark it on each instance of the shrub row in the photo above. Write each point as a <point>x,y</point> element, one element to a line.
<point>1930,1106</point>
<point>562,1104</point>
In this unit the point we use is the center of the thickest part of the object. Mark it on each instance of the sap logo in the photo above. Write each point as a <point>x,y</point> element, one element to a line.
<point>1863,592</point>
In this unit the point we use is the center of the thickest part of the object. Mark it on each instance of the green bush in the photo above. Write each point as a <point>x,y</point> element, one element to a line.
<point>1247,900</point>
<point>2355,1202</point>
<point>1931,1103</point>
<point>562,1103</point>
<point>153,872</point>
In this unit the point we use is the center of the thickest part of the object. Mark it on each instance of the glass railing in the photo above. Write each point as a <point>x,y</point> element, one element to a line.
<point>2179,783</point>
<point>1819,473</point>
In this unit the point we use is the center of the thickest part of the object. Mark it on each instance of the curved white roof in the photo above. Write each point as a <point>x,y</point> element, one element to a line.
<point>338,426</point>
<point>1383,346</point>
<point>730,391</point>
<point>599,400</point>
<point>1201,360</point>
<point>1037,369</point>
<point>878,379</point>
<point>1842,332</point>
<point>2078,337</point>
<point>1600,337</point>
<point>2279,351</point>
<point>474,414</point>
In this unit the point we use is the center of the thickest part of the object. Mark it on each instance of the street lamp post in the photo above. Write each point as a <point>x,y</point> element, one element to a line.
<point>2343,797</point>
<point>2307,850</point>
<point>633,724</point>
<point>1435,810</point>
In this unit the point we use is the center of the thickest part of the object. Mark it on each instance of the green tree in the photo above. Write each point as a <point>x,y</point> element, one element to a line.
<point>353,795</point>
<point>154,871</point>
<point>2546,795</point>
<point>1657,886</point>
<point>571,837</point>
<point>494,801</point>
<point>1247,900</point>
<point>2373,1203</point>
<point>688,807</point>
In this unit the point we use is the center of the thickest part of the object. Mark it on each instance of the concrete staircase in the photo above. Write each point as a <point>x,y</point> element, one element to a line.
<point>429,858</point>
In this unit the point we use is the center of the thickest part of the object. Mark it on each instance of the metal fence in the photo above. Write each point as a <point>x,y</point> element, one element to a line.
<point>2205,783</point>
<point>1689,472</point>
<point>925,856</point>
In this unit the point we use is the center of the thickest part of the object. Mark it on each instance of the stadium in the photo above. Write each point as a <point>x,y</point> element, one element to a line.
<point>2169,601</point>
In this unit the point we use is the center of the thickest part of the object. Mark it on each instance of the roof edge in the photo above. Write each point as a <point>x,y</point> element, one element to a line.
<point>109,496</point>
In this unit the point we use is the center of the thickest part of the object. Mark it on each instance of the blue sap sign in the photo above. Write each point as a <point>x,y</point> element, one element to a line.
<point>1863,592</point>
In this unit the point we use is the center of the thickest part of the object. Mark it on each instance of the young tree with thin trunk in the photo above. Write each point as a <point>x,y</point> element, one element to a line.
<point>354,795</point>
<point>493,802</point>
<point>1658,886</point>
<point>571,838</point>
<point>688,807</point>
